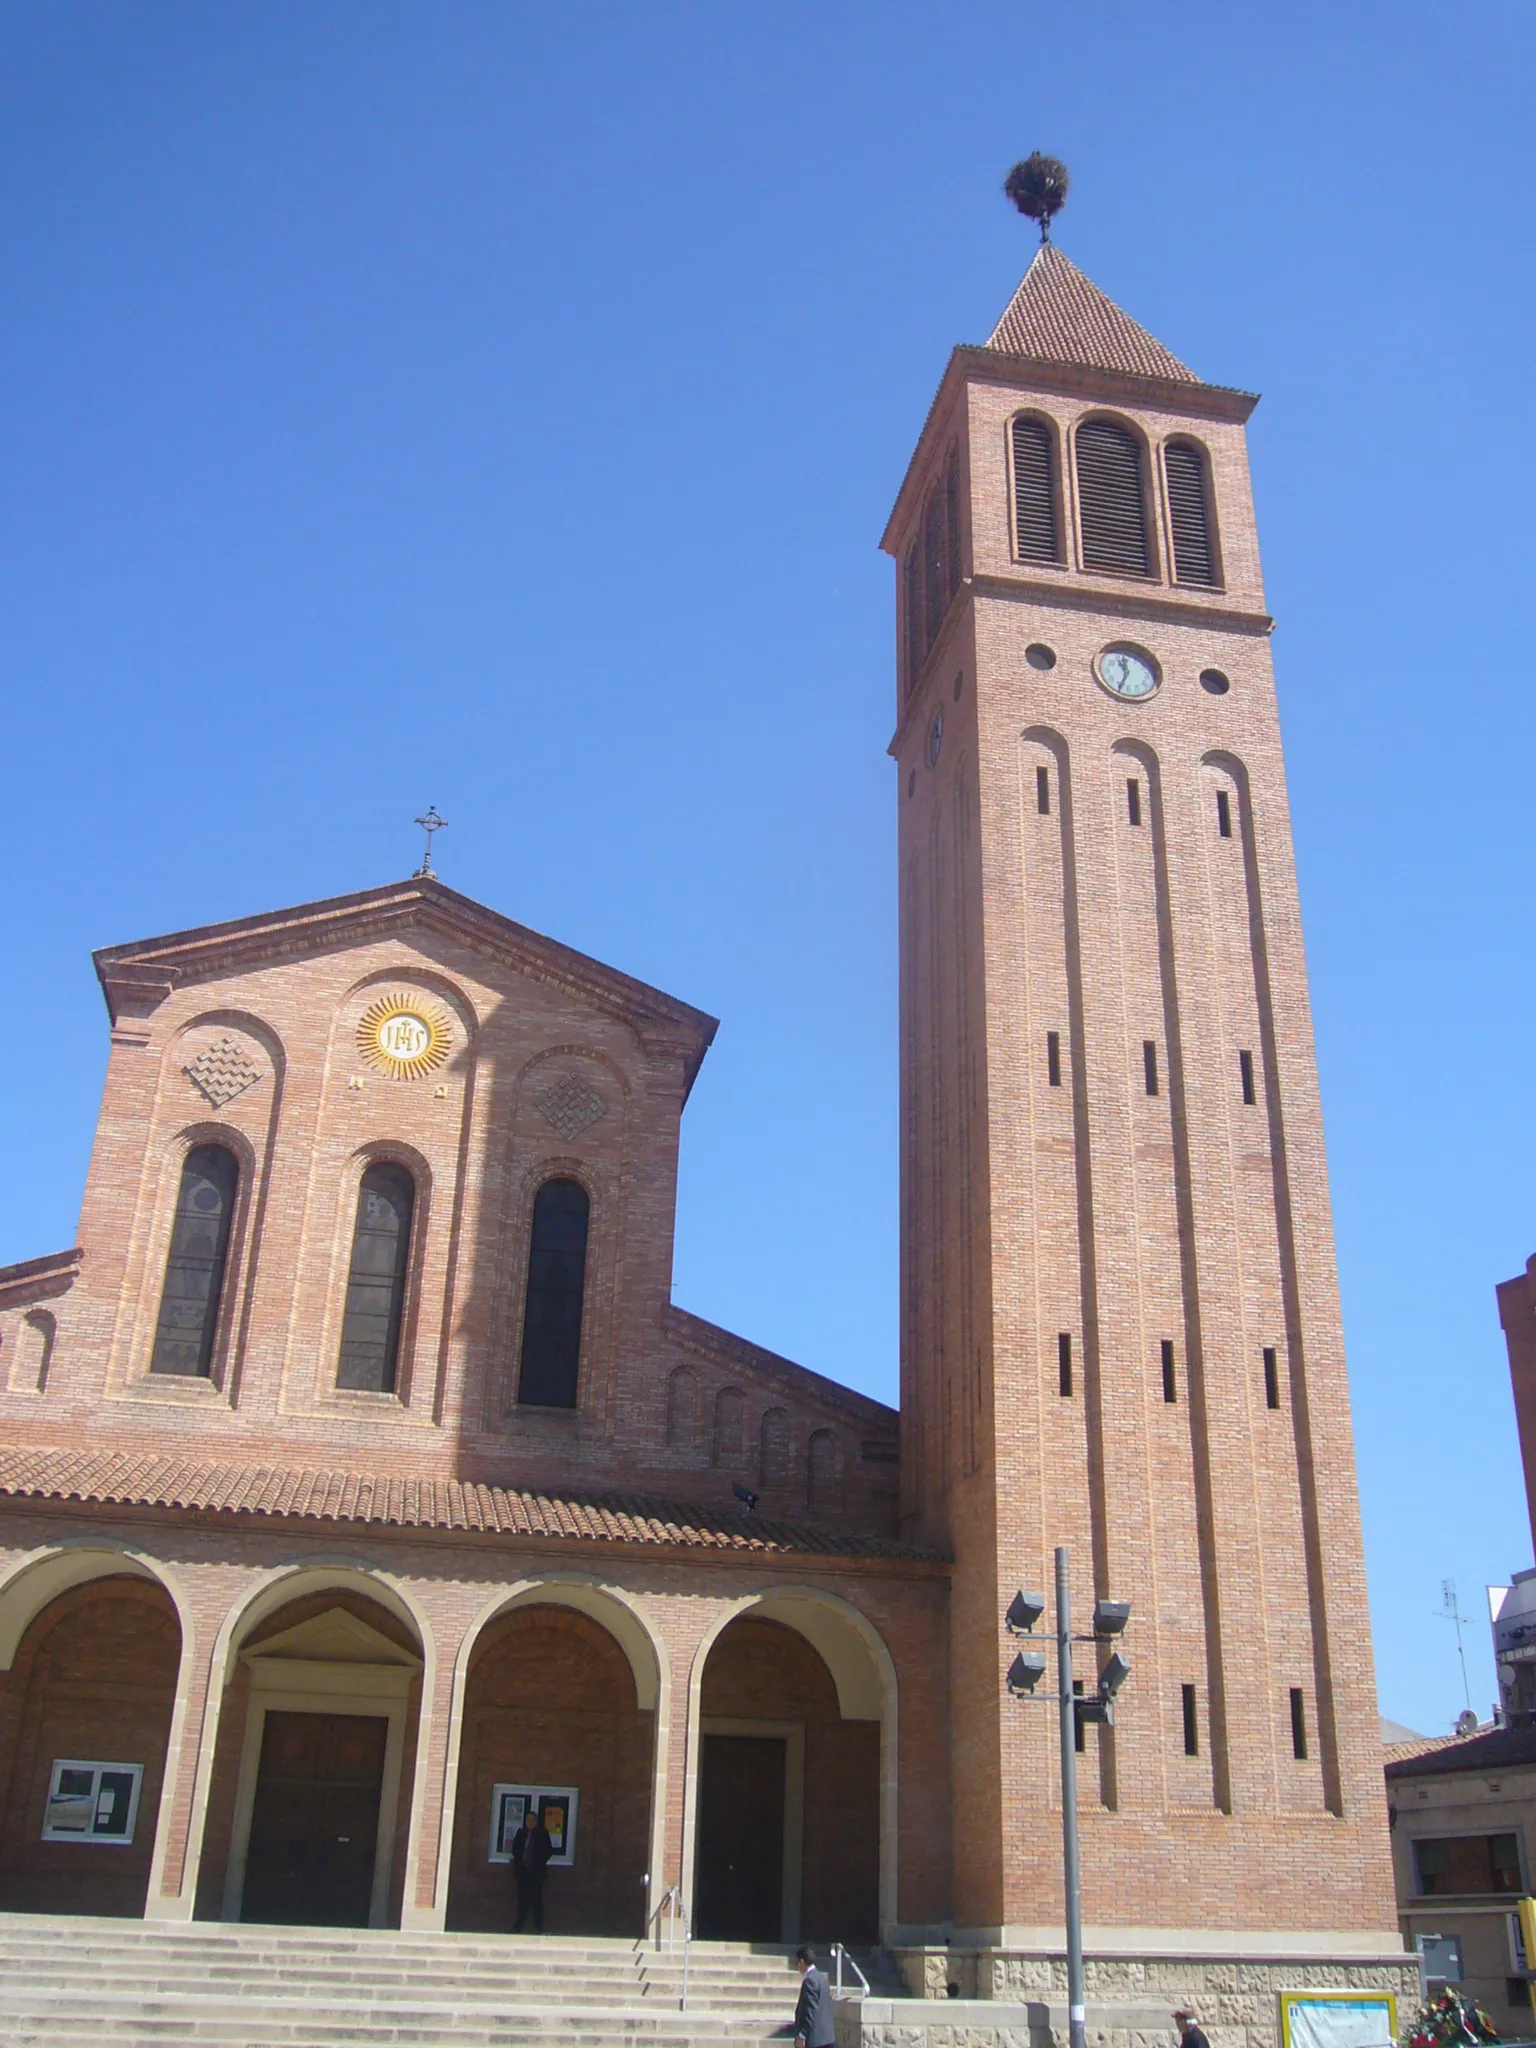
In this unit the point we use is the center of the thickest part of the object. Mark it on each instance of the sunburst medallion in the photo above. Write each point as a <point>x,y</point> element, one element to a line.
<point>404,1037</point>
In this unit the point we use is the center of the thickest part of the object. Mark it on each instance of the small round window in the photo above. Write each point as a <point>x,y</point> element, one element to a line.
<point>935,739</point>
<point>1213,680</point>
<point>1038,655</point>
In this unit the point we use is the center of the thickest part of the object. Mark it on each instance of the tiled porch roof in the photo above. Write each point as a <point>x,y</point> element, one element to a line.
<point>118,1480</point>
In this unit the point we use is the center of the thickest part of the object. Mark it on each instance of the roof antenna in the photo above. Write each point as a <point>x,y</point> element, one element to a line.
<point>1038,187</point>
<point>429,824</point>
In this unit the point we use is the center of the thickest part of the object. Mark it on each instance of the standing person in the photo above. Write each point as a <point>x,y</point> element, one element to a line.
<point>813,2012</point>
<point>531,1851</point>
<point>1191,2033</point>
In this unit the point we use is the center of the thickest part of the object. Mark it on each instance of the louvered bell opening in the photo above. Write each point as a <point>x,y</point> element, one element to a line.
<point>1111,502</point>
<point>912,591</point>
<point>936,592</point>
<point>1034,494</point>
<point>1194,558</point>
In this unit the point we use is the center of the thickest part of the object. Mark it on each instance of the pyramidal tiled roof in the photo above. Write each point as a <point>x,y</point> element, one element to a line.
<point>1059,316</point>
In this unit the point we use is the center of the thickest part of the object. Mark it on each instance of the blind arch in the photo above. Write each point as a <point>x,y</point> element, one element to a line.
<point>774,1468</point>
<point>824,1472</point>
<point>1189,514</point>
<point>682,1406</point>
<point>1112,499</point>
<point>376,1276</point>
<point>188,1322</point>
<point>557,1282</point>
<point>730,1426</point>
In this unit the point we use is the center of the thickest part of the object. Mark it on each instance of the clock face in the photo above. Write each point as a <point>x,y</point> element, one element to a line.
<point>1127,672</point>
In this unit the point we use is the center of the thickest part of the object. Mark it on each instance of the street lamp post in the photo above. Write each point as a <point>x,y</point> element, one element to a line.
<point>1024,1674</point>
<point>1077,2004</point>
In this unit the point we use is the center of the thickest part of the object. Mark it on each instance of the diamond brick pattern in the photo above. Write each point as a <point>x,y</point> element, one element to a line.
<point>571,1106</point>
<point>222,1071</point>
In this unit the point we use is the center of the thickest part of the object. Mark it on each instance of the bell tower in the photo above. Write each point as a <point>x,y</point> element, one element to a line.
<point>1120,1322</point>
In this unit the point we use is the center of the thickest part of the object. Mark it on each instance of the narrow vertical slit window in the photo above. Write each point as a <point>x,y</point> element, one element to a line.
<point>557,1283</point>
<point>1112,502</point>
<point>1191,1721</point>
<point>1053,1058</point>
<point>1133,799</point>
<point>1223,814</point>
<point>1170,1383</point>
<point>1149,1065</point>
<point>1064,1360</point>
<point>188,1321</point>
<point>1079,1732</point>
<point>1189,515</point>
<point>381,1249</point>
<point>1035,536</point>
<point>1271,1377</point>
<point>1245,1070</point>
<point>1298,1725</point>
<point>1043,791</point>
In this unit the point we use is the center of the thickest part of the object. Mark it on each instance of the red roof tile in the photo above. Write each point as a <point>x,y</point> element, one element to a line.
<point>118,1480</point>
<point>1059,316</point>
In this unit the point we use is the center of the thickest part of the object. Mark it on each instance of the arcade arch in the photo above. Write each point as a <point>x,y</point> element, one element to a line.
<point>91,1639</point>
<point>789,1828</point>
<point>303,1813</point>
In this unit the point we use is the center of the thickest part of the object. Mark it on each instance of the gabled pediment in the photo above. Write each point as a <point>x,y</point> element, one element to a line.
<point>137,978</point>
<point>335,1637</point>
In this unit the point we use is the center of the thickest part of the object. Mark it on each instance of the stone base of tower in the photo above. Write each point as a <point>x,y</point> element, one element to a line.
<point>1014,1995</point>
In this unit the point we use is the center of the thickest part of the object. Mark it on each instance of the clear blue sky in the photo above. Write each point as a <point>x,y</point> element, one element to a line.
<point>498,406</point>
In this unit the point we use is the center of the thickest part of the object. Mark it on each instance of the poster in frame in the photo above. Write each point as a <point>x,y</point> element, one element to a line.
<point>93,1802</point>
<point>556,1804</point>
<point>1338,2019</point>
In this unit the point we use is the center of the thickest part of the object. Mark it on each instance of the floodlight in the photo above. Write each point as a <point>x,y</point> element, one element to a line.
<point>1114,1675</point>
<point>1026,1671</point>
<point>1110,1616</point>
<point>1024,1610</point>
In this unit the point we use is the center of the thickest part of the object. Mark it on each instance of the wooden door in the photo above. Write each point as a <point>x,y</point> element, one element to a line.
<point>739,1881</point>
<point>315,1821</point>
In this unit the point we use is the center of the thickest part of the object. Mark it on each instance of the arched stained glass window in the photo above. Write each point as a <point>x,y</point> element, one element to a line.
<point>194,1266</point>
<point>381,1251</point>
<point>557,1282</point>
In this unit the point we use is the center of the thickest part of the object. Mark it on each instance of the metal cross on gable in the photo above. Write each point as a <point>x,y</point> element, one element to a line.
<point>429,824</point>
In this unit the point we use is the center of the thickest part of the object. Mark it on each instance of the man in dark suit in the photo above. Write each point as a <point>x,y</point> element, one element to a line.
<point>1191,2033</point>
<point>531,1851</point>
<point>813,2013</point>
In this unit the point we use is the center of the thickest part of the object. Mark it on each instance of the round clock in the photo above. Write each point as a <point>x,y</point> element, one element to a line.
<point>1128,672</point>
<point>403,1036</point>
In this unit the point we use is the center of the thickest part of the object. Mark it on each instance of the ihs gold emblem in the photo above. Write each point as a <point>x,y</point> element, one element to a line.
<point>404,1037</point>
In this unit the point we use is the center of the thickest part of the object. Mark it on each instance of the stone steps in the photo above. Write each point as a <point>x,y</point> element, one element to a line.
<point>67,1982</point>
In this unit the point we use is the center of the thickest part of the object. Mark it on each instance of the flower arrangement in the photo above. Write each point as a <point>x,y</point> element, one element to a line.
<point>1450,2021</point>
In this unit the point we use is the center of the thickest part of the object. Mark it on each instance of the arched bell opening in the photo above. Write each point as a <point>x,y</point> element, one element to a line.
<point>788,1796</point>
<point>85,1719</point>
<point>314,1764</point>
<point>552,1717</point>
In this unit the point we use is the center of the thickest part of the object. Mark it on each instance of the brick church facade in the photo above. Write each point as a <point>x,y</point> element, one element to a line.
<point>361,1479</point>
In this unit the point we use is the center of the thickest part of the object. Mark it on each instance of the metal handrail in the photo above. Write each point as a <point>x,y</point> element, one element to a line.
<point>671,1903</point>
<point>843,1956</point>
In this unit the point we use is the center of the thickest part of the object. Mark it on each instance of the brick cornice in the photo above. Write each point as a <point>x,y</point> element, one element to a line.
<point>39,1279</point>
